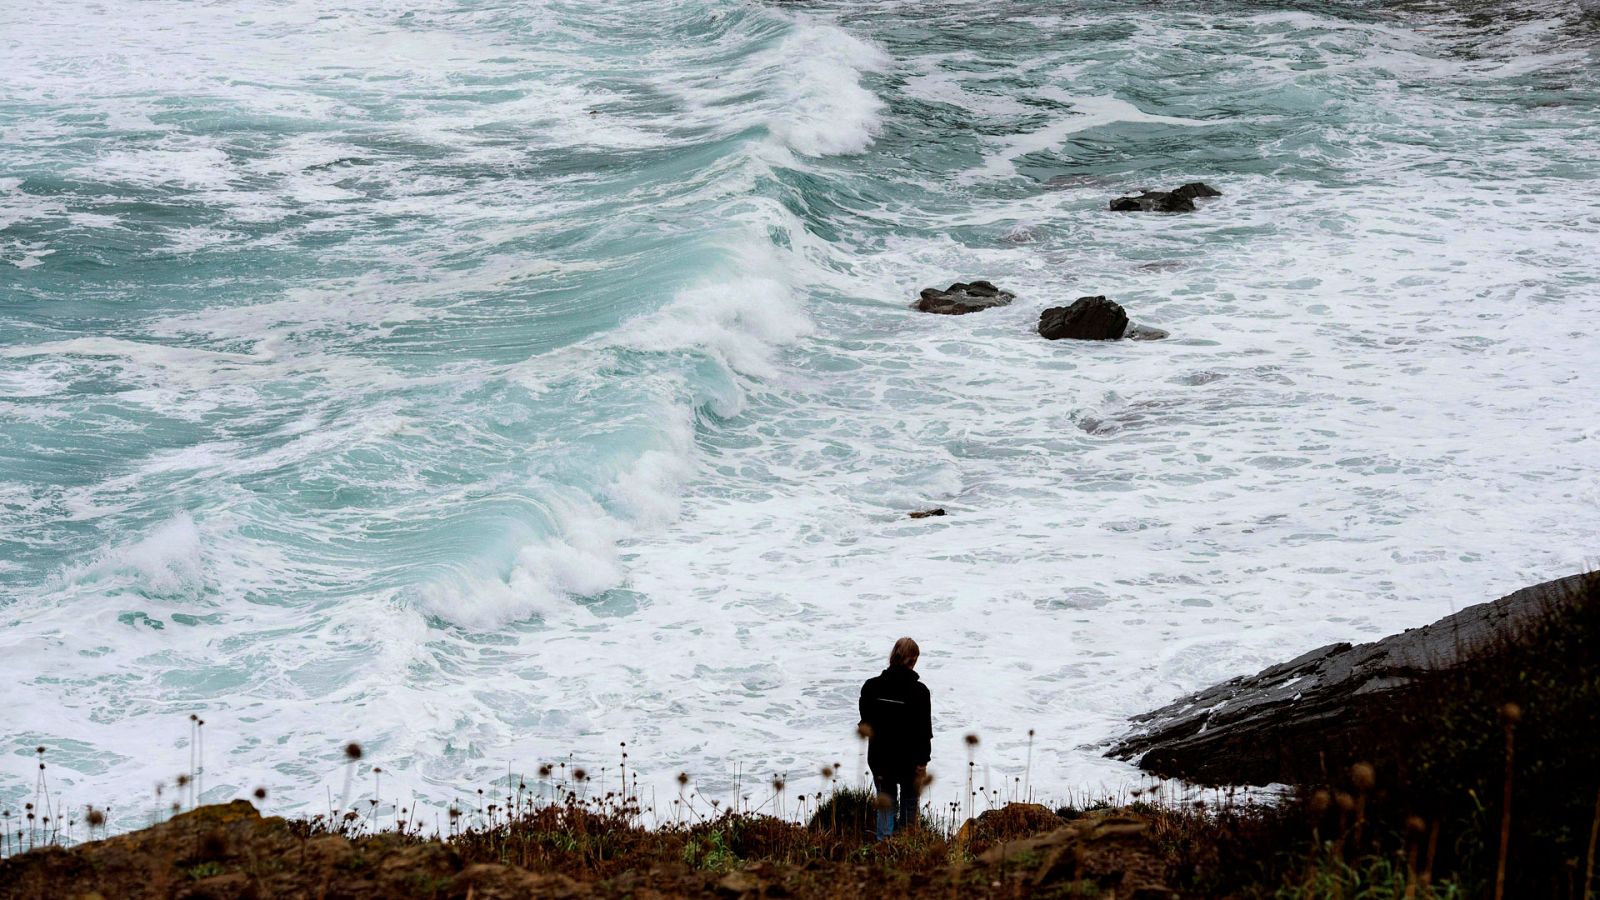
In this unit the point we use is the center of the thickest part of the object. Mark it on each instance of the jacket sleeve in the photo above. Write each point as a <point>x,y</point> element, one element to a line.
<point>925,719</point>
<point>862,704</point>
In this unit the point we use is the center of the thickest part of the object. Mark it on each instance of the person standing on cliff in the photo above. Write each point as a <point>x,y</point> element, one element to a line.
<point>897,719</point>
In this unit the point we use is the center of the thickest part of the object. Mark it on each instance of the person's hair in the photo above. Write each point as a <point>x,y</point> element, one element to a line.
<point>905,653</point>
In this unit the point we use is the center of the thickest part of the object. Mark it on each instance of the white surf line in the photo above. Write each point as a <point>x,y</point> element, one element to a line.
<point>133,351</point>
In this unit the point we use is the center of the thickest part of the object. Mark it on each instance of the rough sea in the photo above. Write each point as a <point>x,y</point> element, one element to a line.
<point>492,383</point>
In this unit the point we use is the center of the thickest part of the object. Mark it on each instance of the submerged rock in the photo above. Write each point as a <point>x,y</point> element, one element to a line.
<point>1180,200</point>
<point>1087,319</point>
<point>1289,721</point>
<point>962,298</point>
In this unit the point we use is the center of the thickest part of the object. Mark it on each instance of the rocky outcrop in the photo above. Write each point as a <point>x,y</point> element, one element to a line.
<point>1007,823</point>
<point>1196,189</point>
<point>927,513</point>
<point>962,298</point>
<point>1093,319</point>
<point>1180,200</point>
<point>1087,319</point>
<point>1287,722</point>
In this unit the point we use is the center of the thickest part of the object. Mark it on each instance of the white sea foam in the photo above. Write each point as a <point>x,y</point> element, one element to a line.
<point>1087,113</point>
<point>824,108</point>
<point>974,93</point>
<point>166,563</point>
<point>737,321</point>
<point>197,167</point>
<point>481,426</point>
<point>740,320</point>
<point>813,97</point>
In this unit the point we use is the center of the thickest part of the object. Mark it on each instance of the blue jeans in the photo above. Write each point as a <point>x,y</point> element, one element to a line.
<point>900,807</point>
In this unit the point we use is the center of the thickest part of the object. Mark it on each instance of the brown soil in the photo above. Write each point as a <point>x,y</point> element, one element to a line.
<point>232,853</point>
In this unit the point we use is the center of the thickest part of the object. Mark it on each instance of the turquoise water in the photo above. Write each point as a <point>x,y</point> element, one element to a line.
<point>492,382</point>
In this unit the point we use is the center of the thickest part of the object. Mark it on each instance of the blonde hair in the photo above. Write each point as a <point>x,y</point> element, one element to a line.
<point>905,653</point>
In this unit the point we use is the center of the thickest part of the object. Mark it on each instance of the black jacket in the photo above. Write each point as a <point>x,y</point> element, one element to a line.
<point>896,706</point>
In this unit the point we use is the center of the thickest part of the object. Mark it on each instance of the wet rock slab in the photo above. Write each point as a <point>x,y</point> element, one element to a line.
<point>1278,725</point>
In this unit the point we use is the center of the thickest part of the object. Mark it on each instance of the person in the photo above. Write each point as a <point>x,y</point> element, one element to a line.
<point>897,718</point>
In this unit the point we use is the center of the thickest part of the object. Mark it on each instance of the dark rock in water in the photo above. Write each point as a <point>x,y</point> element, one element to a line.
<point>1196,189</point>
<point>1153,201</point>
<point>925,513</point>
<point>1285,723</point>
<point>1180,200</point>
<point>1143,333</point>
<point>1087,319</point>
<point>961,298</point>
